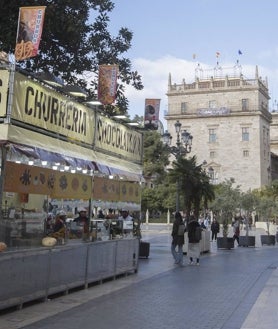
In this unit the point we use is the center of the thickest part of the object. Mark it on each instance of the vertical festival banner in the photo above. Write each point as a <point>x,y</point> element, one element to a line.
<point>151,119</point>
<point>29,31</point>
<point>107,83</point>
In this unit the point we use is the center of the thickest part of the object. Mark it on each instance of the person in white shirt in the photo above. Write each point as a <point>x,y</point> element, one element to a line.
<point>125,215</point>
<point>206,222</point>
<point>127,222</point>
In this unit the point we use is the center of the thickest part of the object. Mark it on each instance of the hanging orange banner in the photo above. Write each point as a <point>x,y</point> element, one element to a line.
<point>107,83</point>
<point>29,31</point>
<point>152,107</point>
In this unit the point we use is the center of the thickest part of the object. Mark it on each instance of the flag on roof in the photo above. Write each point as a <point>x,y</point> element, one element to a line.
<point>239,52</point>
<point>217,54</point>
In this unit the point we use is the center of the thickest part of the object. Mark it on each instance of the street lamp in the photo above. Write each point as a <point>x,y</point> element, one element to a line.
<point>183,146</point>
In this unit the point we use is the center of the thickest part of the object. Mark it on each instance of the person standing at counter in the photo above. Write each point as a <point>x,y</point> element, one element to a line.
<point>127,222</point>
<point>59,228</point>
<point>125,216</point>
<point>111,214</point>
<point>83,220</point>
<point>100,214</point>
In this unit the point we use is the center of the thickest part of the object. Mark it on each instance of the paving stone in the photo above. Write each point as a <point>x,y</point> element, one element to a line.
<point>222,292</point>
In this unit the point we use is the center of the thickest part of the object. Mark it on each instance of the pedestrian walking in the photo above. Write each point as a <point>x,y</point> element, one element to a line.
<point>236,225</point>
<point>194,236</point>
<point>178,239</point>
<point>215,227</point>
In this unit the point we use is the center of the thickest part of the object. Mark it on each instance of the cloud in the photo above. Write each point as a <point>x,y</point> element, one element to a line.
<point>155,75</point>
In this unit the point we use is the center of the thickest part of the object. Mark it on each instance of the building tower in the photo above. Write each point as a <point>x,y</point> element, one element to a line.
<point>227,114</point>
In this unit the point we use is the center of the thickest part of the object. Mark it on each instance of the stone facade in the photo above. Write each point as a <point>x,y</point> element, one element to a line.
<point>229,120</point>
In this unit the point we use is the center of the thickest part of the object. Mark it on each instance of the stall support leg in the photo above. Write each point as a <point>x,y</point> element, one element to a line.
<point>2,177</point>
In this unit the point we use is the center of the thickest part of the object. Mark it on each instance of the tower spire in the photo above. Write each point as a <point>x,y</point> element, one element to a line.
<point>257,72</point>
<point>169,81</point>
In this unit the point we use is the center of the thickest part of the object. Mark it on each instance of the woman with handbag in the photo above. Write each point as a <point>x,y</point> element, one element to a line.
<point>194,236</point>
<point>178,239</point>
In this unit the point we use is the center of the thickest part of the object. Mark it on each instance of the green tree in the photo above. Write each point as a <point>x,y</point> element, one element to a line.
<point>248,201</point>
<point>139,119</point>
<point>248,204</point>
<point>159,194</point>
<point>160,198</point>
<point>75,41</point>
<point>193,184</point>
<point>156,157</point>
<point>226,203</point>
<point>267,205</point>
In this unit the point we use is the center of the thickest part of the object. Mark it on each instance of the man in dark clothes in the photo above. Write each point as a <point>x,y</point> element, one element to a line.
<point>193,244</point>
<point>214,229</point>
<point>178,239</point>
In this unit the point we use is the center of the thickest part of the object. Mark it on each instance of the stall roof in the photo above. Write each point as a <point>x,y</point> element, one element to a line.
<point>38,146</point>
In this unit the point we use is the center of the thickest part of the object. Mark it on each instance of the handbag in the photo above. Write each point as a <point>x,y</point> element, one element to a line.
<point>198,233</point>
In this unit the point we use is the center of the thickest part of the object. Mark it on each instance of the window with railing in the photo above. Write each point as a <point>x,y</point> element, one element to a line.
<point>245,153</point>
<point>244,104</point>
<point>183,107</point>
<point>212,135</point>
<point>245,134</point>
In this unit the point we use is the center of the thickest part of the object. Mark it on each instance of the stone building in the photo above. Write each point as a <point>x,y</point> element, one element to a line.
<point>228,116</point>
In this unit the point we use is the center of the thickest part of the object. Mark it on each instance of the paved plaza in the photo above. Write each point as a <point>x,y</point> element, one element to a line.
<point>232,289</point>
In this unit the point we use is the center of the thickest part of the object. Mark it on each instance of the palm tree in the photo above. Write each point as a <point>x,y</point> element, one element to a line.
<point>194,185</point>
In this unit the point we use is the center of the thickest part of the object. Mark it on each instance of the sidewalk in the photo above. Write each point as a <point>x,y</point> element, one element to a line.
<point>263,314</point>
<point>230,290</point>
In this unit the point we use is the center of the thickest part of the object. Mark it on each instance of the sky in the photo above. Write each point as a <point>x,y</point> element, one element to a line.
<point>167,34</point>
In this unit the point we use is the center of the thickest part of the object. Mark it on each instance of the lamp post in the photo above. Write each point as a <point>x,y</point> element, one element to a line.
<point>183,146</point>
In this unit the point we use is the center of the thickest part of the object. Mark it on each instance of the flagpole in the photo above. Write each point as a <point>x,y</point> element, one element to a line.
<point>11,81</point>
<point>39,23</point>
<point>10,92</point>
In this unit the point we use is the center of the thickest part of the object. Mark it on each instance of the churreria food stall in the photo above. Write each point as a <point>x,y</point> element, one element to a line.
<point>55,148</point>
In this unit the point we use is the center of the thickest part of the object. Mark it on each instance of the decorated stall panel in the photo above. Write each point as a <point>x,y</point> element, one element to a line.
<point>28,179</point>
<point>116,190</point>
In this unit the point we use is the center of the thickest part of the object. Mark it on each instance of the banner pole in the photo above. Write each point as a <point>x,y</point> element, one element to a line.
<point>11,81</point>
<point>10,93</point>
